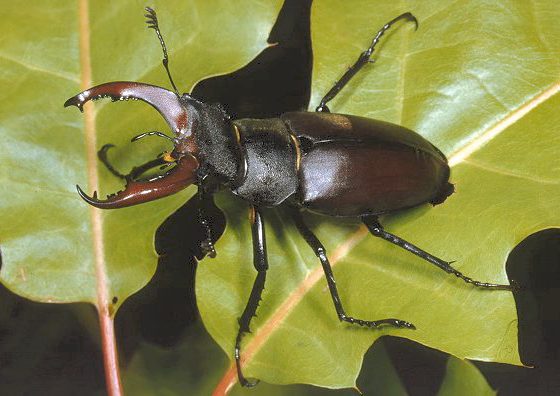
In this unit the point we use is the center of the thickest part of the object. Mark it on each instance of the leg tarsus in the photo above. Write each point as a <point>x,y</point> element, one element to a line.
<point>376,229</point>
<point>136,172</point>
<point>102,155</point>
<point>242,380</point>
<point>377,323</point>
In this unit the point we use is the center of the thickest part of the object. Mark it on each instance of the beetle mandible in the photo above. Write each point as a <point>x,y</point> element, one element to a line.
<point>332,164</point>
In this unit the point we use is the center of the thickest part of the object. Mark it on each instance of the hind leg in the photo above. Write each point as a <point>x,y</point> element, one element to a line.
<point>377,230</point>
<point>320,251</point>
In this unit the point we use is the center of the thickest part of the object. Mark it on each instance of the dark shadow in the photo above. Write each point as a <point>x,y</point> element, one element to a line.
<point>276,81</point>
<point>159,312</point>
<point>45,349</point>
<point>535,265</point>
<point>420,368</point>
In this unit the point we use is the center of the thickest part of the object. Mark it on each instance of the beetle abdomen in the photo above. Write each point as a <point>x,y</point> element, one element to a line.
<point>352,180</point>
<point>352,166</point>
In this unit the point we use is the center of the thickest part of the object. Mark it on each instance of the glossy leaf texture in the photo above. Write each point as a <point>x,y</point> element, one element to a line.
<point>478,79</point>
<point>48,232</point>
<point>195,364</point>
<point>463,378</point>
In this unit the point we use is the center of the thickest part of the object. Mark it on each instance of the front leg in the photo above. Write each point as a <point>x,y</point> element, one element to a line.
<point>204,195</point>
<point>137,171</point>
<point>260,262</point>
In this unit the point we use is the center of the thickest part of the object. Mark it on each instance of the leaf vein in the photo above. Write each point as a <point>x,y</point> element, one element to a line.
<point>505,172</point>
<point>31,67</point>
<point>508,120</point>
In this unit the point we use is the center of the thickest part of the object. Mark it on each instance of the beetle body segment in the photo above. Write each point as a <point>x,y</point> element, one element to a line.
<point>355,166</point>
<point>339,165</point>
<point>270,157</point>
<point>213,141</point>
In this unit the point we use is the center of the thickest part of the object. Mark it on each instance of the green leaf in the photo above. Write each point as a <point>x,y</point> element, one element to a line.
<point>463,378</point>
<point>480,82</point>
<point>196,363</point>
<point>51,248</point>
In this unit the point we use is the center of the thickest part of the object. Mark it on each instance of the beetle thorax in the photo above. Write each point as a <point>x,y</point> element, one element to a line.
<point>211,139</point>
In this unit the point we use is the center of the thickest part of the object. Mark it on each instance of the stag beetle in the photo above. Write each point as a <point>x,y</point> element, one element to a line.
<point>332,164</point>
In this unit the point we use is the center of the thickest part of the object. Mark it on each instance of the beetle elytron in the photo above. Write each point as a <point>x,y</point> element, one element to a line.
<point>332,164</point>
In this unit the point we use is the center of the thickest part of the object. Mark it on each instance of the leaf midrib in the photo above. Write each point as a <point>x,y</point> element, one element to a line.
<point>500,126</point>
<point>91,158</point>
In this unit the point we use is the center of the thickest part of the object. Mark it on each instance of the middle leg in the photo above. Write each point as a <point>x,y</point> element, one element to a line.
<point>320,251</point>
<point>260,262</point>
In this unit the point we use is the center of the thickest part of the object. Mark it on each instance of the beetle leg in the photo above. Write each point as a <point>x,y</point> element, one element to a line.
<point>136,172</point>
<point>320,251</point>
<point>205,196</point>
<point>260,262</point>
<point>363,59</point>
<point>377,230</point>
<point>102,155</point>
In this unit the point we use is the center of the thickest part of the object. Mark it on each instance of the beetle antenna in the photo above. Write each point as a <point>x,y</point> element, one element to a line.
<point>363,59</point>
<point>152,21</point>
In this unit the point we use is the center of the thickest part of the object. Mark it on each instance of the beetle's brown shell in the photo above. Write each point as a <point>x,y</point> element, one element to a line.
<point>352,166</point>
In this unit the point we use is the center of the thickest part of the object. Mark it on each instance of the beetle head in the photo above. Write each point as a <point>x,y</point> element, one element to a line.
<point>177,113</point>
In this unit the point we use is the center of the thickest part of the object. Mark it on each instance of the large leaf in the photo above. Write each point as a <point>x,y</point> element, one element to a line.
<point>475,79</point>
<point>478,79</point>
<point>54,247</point>
<point>195,364</point>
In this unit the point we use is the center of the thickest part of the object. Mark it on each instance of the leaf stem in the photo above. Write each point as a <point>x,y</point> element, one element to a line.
<point>226,382</point>
<point>110,355</point>
<point>106,322</point>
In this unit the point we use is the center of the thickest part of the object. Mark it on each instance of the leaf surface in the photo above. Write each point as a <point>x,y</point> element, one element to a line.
<point>478,80</point>
<point>52,249</point>
<point>463,378</point>
<point>487,99</point>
